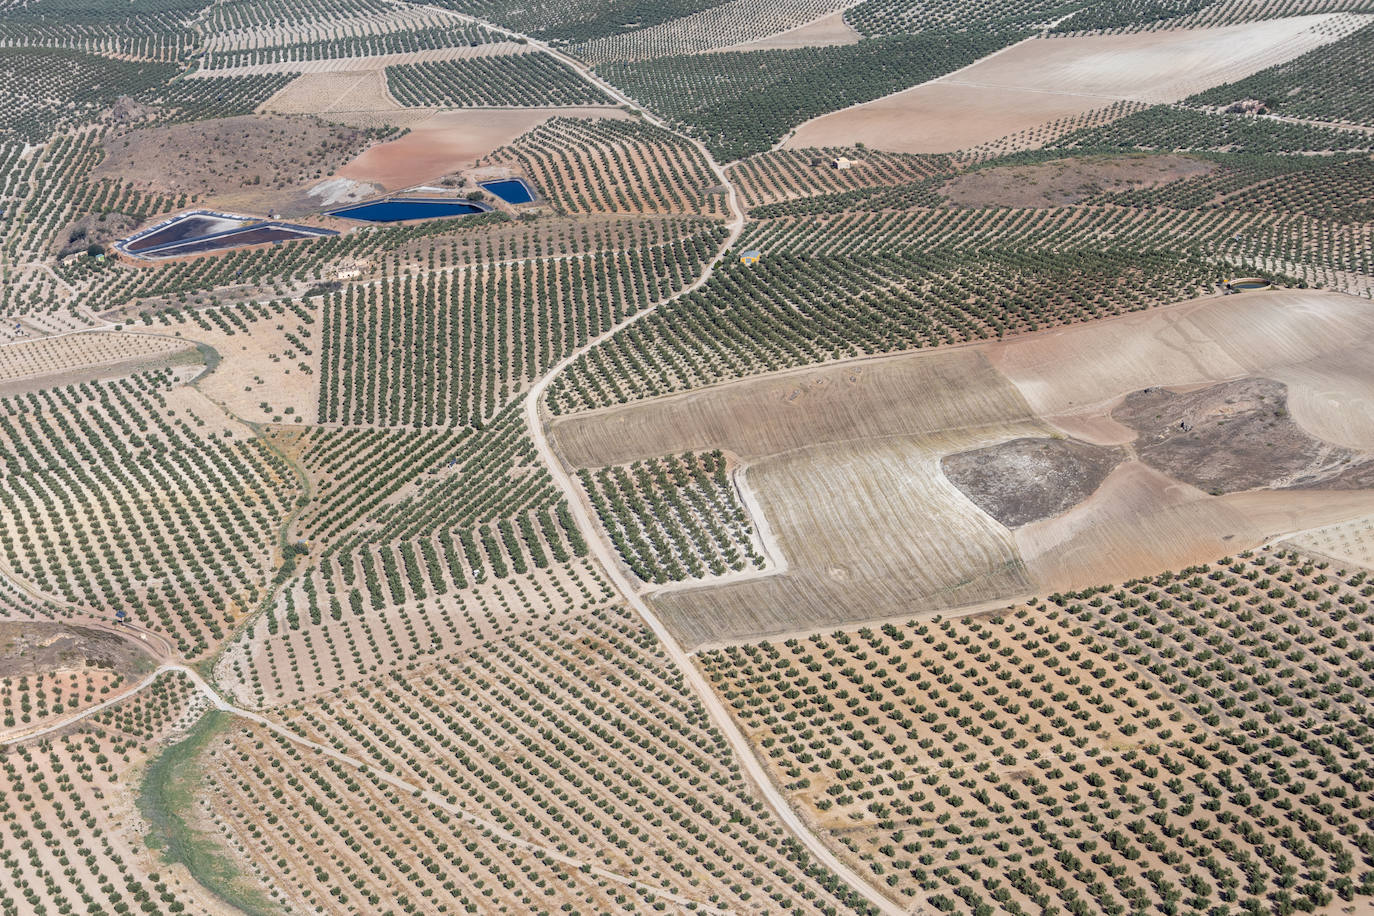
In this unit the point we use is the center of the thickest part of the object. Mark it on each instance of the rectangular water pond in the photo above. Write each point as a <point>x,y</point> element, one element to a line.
<point>511,190</point>
<point>403,209</point>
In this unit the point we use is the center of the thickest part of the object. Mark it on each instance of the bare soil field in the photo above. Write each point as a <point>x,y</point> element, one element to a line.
<point>939,118</point>
<point>1068,181</point>
<point>1045,79</point>
<point>909,395</point>
<point>1236,436</point>
<point>1312,341</point>
<point>827,31</point>
<point>333,94</point>
<point>245,161</point>
<point>846,459</point>
<point>1026,480</point>
<point>450,140</point>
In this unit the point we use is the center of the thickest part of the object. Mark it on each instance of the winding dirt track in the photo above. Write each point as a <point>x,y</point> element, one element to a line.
<point>591,532</point>
<point>535,420</point>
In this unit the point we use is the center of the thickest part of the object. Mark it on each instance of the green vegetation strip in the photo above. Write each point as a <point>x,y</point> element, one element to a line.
<point>169,788</point>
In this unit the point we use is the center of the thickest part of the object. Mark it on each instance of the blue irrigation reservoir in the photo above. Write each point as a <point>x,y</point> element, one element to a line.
<point>511,190</point>
<point>402,209</point>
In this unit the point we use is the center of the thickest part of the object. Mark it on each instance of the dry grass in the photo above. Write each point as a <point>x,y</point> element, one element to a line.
<point>336,94</point>
<point>269,363</point>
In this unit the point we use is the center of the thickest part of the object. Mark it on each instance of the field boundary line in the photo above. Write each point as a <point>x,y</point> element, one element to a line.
<point>692,675</point>
<point>944,76</point>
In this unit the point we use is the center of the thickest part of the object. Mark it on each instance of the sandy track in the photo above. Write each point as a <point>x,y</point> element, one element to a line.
<point>592,533</point>
<point>1045,79</point>
<point>430,798</point>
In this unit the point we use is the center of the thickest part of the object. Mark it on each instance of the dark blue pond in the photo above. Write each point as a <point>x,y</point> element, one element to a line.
<point>407,208</point>
<point>511,190</point>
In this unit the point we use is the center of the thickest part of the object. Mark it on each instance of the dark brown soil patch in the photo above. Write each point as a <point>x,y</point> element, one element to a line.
<point>1068,181</point>
<point>1026,480</point>
<point>27,647</point>
<point>247,157</point>
<point>1236,436</point>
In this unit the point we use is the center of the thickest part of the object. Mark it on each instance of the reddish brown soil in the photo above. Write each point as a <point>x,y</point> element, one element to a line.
<point>1068,181</point>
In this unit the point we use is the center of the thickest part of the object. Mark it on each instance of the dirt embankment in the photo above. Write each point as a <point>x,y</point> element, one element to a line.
<point>28,647</point>
<point>1026,480</point>
<point>1069,181</point>
<point>1237,436</point>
